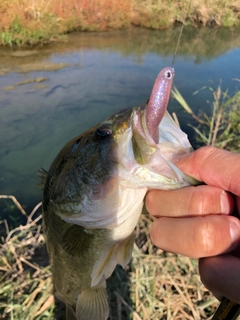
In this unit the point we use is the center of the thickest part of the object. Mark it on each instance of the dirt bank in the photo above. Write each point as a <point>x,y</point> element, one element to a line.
<point>32,21</point>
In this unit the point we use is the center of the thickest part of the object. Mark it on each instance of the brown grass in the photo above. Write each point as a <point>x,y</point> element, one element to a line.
<point>156,285</point>
<point>32,21</point>
<point>91,14</point>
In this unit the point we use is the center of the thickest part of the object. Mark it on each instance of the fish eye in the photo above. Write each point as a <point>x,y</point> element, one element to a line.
<point>103,132</point>
<point>168,74</point>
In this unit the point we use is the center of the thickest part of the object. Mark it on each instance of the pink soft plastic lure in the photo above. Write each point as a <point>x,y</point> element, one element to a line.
<point>158,101</point>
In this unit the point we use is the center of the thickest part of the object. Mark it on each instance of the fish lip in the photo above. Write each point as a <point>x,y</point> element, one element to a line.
<point>140,124</point>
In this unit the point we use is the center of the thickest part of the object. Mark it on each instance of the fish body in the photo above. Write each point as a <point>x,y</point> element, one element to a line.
<point>93,197</point>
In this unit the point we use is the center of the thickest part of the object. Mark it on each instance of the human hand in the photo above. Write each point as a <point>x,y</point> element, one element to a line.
<point>197,221</point>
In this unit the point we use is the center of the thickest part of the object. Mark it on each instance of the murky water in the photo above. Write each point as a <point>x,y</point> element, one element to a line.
<point>78,83</point>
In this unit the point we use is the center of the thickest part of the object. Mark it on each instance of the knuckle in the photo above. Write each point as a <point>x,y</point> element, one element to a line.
<point>204,200</point>
<point>151,203</point>
<point>154,234</point>
<point>195,202</point>
<point>205,152</point>
<point>204,237</point>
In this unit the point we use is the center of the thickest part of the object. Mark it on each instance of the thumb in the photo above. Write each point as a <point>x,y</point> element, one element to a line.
<point>213,166</point>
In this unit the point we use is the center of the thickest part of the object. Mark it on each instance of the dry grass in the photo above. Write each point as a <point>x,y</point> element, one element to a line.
<point>33,21</point>
<point>25,277</point>
<point>222,127</point>
<point>156,285</point>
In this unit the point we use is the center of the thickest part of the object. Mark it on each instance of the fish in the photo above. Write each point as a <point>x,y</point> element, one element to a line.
<point>94,194</point>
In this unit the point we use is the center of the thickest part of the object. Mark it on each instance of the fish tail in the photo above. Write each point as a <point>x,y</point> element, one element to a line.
<point>92,304</point>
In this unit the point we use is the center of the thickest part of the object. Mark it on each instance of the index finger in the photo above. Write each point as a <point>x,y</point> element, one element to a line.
<point>215,167</point>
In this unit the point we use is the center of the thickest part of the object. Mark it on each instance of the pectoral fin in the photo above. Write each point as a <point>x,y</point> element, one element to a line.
<point>124,251</point>
<point>119,253</point>
<point>104,267</point>
<point>92,304</point>
<point>76,240</point>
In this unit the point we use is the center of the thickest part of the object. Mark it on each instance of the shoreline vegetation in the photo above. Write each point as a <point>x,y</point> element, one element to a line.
<point>32,22</point>
<point>155,285</point>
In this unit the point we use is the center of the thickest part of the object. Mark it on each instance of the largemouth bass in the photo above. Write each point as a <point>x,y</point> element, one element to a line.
<point>94,192</point>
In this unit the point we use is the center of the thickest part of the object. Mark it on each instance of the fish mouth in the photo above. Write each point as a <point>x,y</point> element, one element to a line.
<point>142,143</point>
<point>171,139</point>
<point>159,155</point>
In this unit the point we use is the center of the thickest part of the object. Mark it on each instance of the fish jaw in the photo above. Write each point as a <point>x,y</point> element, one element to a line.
<point>108,213</point>
<point>144,163</point>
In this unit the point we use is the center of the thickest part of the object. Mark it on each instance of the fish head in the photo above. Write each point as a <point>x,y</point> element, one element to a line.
<point>97,177</point>
<point>82,184</point>
<point>144,162</point>
<point>148,140</point>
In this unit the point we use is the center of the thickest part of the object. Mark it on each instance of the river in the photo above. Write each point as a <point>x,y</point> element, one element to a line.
<point>51,93</point>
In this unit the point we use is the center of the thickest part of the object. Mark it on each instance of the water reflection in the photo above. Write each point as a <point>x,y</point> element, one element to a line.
<point>103,72</point>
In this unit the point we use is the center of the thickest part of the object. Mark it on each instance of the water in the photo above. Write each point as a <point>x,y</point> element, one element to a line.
<point>105,72</point>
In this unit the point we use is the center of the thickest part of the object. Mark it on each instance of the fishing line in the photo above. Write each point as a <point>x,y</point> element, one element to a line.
<point>181,31</point>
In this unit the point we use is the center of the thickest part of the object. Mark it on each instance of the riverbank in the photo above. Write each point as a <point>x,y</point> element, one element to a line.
<point>33,22</point>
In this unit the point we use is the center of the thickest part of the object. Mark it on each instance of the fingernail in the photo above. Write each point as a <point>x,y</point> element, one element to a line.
<point>225,203</point>
<point>235,229</point>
